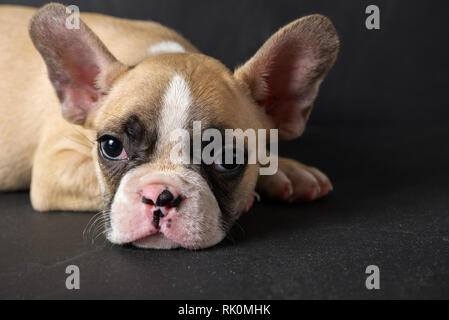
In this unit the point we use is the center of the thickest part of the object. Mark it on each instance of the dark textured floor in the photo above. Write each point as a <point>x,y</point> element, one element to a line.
<point>390,208</point>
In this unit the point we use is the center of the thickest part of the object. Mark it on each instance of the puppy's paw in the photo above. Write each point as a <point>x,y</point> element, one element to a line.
<point>295,182</point>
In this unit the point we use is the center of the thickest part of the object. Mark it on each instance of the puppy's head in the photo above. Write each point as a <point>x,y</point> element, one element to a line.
<point>152,200</point>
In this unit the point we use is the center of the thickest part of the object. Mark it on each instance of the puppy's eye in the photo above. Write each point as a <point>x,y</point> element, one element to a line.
<point>221,166</point>
<point>226,168</point>
<point>111,148</point>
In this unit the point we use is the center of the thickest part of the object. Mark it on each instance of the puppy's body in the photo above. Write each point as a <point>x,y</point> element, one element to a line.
<point>131,84</point>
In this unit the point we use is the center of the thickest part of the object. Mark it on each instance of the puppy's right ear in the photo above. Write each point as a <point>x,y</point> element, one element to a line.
<point>285,75</point>
<point>80,67</point>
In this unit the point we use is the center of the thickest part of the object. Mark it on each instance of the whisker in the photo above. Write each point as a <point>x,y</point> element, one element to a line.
<point>100,234</point>
<point>96,223</point>
<point>100,227</point>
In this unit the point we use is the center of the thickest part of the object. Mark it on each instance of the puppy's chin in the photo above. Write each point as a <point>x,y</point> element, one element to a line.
<point>157,242</point>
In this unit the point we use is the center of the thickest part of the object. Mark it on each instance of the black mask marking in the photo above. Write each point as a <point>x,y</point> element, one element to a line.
<point>139,141</point>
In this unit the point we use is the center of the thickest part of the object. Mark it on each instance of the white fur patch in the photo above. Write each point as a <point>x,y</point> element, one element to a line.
<point>175,107</point>
<point>166,47</point>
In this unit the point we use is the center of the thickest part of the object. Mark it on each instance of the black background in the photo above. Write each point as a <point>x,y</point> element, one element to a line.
<point>379,130</point>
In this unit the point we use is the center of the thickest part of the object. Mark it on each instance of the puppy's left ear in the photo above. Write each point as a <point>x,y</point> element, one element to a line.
<point>284,76</point>
<point>80,67</point>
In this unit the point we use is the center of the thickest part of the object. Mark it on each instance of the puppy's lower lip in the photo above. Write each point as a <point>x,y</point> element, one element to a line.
<point>156,241</point>
<point>151,236</point>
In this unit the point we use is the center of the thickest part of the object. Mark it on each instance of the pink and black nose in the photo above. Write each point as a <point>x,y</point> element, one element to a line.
<point>162,200</point>
<point>160,196</point>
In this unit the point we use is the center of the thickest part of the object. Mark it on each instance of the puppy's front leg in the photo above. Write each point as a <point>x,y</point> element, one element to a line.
<point>294,181</point>
<point>64,176</point>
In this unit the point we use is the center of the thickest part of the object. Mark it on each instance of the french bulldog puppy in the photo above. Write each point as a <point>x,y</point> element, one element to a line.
<point>86,121</point>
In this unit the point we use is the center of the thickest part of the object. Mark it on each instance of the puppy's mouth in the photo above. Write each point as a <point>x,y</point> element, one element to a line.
<point>157,215</point>
<point>159,236</point>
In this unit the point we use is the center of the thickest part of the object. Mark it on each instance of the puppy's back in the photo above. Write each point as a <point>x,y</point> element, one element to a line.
<point>25,95</point>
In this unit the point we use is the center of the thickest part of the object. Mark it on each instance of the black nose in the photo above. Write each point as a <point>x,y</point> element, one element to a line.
<point>164,199</point>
